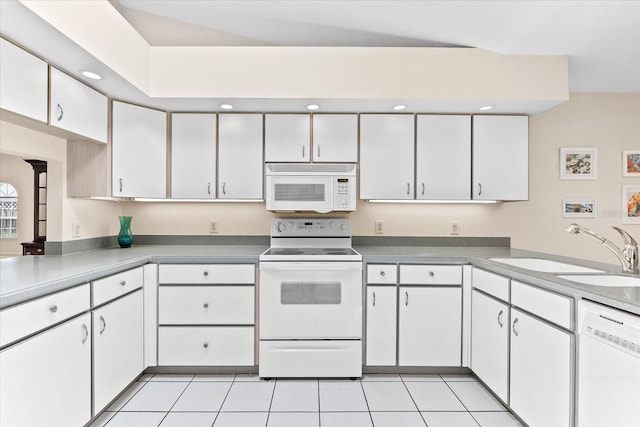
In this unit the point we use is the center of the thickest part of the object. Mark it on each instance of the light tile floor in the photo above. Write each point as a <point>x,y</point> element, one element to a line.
<point>247,401</point>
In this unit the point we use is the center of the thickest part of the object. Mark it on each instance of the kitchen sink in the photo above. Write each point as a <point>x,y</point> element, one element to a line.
<point>545,265</point>
<point>604,280</point>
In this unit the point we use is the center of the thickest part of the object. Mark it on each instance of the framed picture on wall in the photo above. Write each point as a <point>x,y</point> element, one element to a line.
<point>578,208</point>
<point>578,163</point>
<point>631,163</point>
<point>631,204</point>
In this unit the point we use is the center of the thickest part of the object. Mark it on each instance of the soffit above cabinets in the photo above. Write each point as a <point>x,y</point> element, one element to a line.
<point>77,35</point>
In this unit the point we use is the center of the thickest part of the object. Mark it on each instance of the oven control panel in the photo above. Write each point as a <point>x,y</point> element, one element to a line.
<point>310,227</point>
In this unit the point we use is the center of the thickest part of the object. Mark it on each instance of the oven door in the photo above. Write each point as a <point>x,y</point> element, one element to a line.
<point>299,193</point>
<point>310,300</point>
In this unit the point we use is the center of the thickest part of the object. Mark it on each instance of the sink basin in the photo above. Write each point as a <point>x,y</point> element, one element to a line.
<point>605,280</point>
<point>545,265</point>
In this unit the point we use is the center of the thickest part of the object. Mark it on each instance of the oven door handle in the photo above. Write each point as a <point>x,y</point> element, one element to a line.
<point>311,266</point>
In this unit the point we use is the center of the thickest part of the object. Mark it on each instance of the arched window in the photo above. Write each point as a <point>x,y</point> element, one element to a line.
<point>8,211</point>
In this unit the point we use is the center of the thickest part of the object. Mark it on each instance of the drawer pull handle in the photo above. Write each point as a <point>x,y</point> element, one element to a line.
<point>53,308</point>
<point>85,333</point>
<point>206,305</point>
<point>206,273</point>
<point>104,325</point>
<point>515,330</point>
<point>431,274</point>
<point>206,345</point>
<point>382,273</point>
<point>406,298</point>
<point>60,112</point>
<point>500,318</point>
<point>124,282</point>
<point>374,299</point>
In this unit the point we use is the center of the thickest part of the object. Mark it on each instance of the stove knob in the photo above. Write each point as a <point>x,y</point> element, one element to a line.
<point>332,224</point>
<point>280,227</point>
<point>343,227</point>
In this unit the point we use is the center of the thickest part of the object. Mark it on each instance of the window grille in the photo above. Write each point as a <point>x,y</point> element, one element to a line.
<point>8,211</point>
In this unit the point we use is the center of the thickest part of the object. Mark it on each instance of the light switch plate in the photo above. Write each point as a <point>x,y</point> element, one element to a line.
<point>379,226</point>
<point>213,226</point>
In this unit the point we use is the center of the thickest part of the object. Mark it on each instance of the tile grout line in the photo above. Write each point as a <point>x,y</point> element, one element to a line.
<point>233,381</point>
<point>366,401</point>
<point>273,393</point>
<point>460,400</point>
<point>174,403</point>
<point>127,401</point>
<point>413,400</point>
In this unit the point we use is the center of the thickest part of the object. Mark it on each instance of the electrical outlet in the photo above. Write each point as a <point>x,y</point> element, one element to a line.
<point>455,228</point>
<point>213,226</point>
<point>379,227</point>
<point>75,229</point>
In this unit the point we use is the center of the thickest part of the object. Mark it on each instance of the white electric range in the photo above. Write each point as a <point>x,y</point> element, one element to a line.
<point>310,301</point>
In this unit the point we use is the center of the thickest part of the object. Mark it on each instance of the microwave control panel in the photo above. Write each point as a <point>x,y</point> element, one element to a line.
<point>343,196</point>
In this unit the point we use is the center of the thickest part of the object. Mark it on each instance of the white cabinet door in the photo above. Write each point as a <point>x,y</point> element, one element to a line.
<point>335,138</point>
<point>381,326</point>
<point>117,347</point>
<point>23,82</point>
<point>139,151</point>
<point>193,156</point>
<point>500,158</point>
<point>443,157</point>
<point>75,107</point>
<point>386,156</point>
<point>241,168</point>
<point>46,380</point>
<point>287,137</point>
<point>490,343</point>
<point>430,329</point>
<point>541,373</point>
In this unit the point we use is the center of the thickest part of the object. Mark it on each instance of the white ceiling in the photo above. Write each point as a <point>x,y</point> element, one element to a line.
<point>601,38</point>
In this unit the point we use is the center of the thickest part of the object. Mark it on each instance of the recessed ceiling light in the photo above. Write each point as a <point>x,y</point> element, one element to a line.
<point>226,106</point>
<point>313,107</point>
<point>486,107</point>
<point>399,107</point>
<point>91,75</point>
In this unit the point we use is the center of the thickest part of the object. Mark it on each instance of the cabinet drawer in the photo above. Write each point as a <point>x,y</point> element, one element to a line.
<point>431,274</point>
<point>204,346</point>
<point>381,273</point>
<point>24,319</point>
<point>114,286</point>
<point>206,305</point>
<point>491,283</point>
<point>207,274</point>
<point>553,307</point>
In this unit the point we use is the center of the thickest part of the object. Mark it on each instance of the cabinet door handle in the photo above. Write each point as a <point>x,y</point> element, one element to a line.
<point>500,318</point>
<point>104,325</point>
<point>408,188</point>
<point>406,298</point>
<point>303,151</point>
<point>53,308</point>
<point>514,328</point>
<point>423,188</point>
<point>318,151</point>
<point>209,188</point>
<point>479,189</point>
<point>60,112</point>
<point>85,333</point>
<point>224,188</point>
<point>120,185</point>
<point>123,283</point>
<point>374,299</point>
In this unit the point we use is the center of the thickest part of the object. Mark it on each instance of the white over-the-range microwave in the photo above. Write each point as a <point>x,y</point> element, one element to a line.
<point>310,187</point>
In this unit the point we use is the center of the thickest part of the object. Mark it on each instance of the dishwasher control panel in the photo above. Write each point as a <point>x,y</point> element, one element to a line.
<point>618,329</point>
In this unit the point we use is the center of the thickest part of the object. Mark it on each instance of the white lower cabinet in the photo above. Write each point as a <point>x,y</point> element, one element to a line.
<point>430,326</point>
<point>490,342</point>
<point>118,343</point>
<point>381,326</point>
<point>46,379</point>
<point>541,372</point>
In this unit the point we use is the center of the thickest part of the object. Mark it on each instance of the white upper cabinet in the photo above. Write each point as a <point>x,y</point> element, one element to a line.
<point>443,157</point>
<point>139,151</point>
<point>500,158</point>
<point>23,82</point>
<point>387,156</point>
<point>240,173</point>
<point>75,107</point>
<point>335,138</point>
<point>287,138</point>
<point>193,156</point>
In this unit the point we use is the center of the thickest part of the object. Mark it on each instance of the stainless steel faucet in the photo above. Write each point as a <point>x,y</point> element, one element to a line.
<point>628,256</point>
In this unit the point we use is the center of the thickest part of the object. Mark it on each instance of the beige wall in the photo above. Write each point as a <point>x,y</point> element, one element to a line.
<point>609,122</point>
<point>18,173</point>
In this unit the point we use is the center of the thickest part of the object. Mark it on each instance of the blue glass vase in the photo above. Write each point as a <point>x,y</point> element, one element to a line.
<point>125,238</point>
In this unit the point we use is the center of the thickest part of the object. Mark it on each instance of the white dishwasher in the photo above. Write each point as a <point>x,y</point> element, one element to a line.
<point>608,367</point>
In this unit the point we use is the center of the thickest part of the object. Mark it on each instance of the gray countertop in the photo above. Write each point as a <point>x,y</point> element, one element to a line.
<point>25,278</point>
